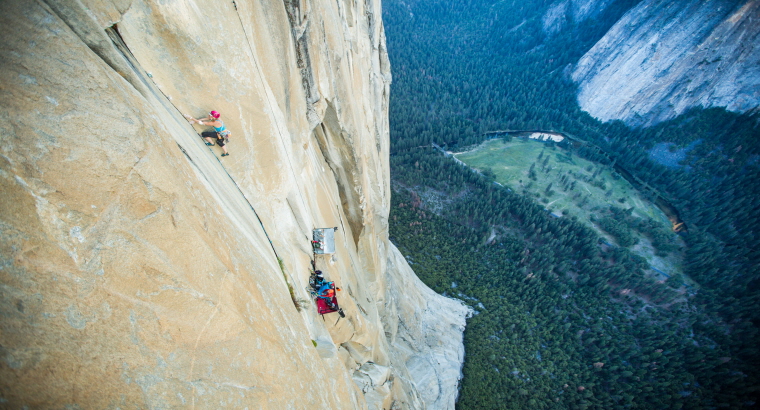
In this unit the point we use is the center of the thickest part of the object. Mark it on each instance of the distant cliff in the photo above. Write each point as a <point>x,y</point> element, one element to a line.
<point>665,57</point>
<point>139,269</point>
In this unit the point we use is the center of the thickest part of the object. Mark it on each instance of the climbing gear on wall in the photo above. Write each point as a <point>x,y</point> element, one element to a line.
<point>323,240</point>
<point>324,292</point>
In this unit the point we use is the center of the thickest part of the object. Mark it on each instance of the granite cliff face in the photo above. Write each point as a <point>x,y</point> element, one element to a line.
<point>140,269</point>
<point>665,57</point>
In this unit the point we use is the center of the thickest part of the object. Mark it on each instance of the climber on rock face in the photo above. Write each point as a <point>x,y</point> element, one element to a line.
<point>327,293</point>
<point>222,133</point>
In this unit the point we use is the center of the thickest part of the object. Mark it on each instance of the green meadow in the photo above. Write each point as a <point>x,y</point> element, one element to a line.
<point>570,186</point>
<point>595,187</point>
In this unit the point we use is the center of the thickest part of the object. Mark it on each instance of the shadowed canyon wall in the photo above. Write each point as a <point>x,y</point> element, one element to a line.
<point>665,57</point>
<point>141,269</point>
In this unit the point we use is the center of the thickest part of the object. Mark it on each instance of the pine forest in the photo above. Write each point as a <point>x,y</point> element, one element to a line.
<point>568,313</point>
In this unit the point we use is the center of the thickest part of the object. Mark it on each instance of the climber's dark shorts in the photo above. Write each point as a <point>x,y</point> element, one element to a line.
<point>214,136</point>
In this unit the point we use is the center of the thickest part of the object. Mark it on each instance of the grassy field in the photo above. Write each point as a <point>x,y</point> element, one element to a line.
<point>595,186</point>
<point>568,186</point>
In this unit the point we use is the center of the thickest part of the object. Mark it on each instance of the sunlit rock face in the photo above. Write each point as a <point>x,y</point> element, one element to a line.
<point>140,269</point>
<point>665,57</point>
<point>414,315</point>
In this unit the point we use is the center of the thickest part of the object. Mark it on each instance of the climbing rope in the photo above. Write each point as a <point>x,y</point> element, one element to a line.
<point>269,102</point>
<point>122,47</point>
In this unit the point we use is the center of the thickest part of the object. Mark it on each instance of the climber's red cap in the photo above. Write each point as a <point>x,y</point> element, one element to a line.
<point>215,114</point>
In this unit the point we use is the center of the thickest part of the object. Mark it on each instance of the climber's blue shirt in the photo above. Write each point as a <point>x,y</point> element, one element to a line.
<point>323,289</point>
<point>221,130</point>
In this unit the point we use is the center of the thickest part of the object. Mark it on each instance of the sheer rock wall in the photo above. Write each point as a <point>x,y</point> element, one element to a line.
<point>665,57</point>
<point>140,269</point>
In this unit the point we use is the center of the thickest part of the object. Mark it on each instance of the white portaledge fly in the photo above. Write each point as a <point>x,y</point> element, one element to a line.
<point>323,241</point>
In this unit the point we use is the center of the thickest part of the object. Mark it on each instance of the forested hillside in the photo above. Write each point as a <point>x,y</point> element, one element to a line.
<point>565,322</point>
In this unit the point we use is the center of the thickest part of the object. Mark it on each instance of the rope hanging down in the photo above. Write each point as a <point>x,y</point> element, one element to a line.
<point>122,47</point>
<point>269,102</point>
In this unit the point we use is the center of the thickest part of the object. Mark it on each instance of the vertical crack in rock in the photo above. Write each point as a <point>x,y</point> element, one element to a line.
<point>299,28</point>
<point>384,65</point>
<point>74,14</point>
<point>335,145</point>
<point>370,21</point>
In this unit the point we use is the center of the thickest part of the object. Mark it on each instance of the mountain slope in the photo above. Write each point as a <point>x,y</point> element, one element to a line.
<point>663,58</point>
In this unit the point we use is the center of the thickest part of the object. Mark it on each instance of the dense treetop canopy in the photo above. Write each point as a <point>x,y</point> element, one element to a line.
<point>564,322</point>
